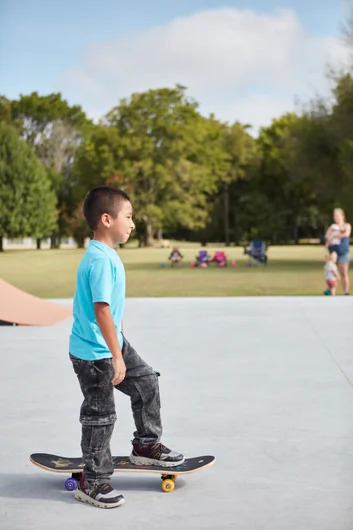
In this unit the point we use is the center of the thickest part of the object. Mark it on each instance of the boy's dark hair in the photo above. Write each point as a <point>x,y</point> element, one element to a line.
<point>100,200</point>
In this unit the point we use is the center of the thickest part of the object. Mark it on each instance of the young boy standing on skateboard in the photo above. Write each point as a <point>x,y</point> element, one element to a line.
<point>102,358</point>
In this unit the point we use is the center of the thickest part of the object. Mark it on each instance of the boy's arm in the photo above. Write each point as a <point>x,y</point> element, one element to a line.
<point>101,278</point>
<point>106,325</point>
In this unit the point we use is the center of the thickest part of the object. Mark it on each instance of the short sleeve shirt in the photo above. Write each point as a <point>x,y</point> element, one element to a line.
<point>100,278</point>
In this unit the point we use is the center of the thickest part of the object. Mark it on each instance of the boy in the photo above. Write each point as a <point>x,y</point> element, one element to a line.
<point>102,358</point>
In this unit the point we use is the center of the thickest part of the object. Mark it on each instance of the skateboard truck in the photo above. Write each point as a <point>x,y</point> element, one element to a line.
<point>71,484</point>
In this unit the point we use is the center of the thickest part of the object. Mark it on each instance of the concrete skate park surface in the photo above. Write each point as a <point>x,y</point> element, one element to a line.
<point>264,384</point>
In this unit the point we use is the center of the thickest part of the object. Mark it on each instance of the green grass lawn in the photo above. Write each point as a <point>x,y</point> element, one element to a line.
<point>293,270</point>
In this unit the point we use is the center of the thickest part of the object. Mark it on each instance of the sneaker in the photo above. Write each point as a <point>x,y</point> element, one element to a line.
<point>102,496</point>
<point>154,454</point>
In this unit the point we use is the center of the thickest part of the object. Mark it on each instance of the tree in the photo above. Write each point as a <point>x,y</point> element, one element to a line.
<point>38,114</point>
<point>348,31</point>
<point>162,144</point>
<point>326,148</point>
<point>287,178</point>
<point>342,124</point>
<point>55,130</point>
<point>5,110</point>
<point>242,154</point>
<point>27,203</point>
<point>96,163</point>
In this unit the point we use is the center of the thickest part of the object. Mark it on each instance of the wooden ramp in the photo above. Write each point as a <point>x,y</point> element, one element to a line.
<point>23,309</point>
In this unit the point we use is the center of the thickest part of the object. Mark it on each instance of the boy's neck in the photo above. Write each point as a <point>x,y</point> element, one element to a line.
<point>103,238</point>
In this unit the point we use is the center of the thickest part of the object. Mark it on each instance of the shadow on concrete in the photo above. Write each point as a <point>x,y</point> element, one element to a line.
<point>52,488</point>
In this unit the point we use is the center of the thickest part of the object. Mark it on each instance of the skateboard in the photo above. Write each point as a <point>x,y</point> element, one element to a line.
<point>61,464</point>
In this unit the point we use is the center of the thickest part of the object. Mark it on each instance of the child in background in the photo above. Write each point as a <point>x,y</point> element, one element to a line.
<point>331,273</point>
<point>175,257</point>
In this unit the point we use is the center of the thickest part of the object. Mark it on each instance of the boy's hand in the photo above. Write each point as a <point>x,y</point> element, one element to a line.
<point>119,371</point>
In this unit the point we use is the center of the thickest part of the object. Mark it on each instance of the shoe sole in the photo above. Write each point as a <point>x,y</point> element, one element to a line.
<point>143,461</point>
<point>83,497</point>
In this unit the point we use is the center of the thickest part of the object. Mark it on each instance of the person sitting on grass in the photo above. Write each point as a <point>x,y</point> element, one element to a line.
<point>175,257</point>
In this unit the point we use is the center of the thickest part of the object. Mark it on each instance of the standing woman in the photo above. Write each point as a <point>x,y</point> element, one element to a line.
<point>337,240</point>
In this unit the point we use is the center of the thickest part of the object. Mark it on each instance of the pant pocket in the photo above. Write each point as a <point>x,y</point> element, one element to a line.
<point>97,437</point>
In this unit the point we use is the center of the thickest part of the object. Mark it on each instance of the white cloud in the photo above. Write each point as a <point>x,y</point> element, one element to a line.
<point>234,62</point>
<point>256,110</point>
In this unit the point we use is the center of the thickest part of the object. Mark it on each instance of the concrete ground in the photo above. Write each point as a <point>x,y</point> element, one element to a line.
<point>265,385</point>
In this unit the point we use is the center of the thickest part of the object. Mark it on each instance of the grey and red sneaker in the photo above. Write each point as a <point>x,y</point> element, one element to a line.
<point>102,496</point>
<point>154,454</point>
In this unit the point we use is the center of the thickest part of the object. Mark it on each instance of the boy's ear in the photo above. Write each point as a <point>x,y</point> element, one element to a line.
<point>105,219</point>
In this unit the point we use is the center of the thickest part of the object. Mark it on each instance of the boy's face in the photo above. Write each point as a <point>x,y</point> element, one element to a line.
<point>121,227</point>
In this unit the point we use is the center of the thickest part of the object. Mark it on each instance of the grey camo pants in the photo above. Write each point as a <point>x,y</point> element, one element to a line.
<point>98,414</point>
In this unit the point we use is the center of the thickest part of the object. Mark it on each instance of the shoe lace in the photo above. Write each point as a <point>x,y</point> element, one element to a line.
<point>104,488</point>
<point>162,448</point>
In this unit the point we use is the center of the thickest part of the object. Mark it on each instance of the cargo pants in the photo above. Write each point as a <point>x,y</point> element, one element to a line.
<point>98,415</point>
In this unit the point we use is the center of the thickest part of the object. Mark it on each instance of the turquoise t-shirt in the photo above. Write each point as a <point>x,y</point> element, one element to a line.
<point>100,278</point>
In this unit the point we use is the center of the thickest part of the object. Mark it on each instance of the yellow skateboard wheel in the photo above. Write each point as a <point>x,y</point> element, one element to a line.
<point>168,485</point>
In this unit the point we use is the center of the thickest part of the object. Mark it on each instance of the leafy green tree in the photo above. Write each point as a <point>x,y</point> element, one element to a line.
<point>287,178</point>
<point>243,159</point>
<point>55,130</point>
<point>5,110</point>
<point>342,124</point>
<point>162,139</point>
<point>156,147</point>
<point>96,163</point>
<point>27,202</point>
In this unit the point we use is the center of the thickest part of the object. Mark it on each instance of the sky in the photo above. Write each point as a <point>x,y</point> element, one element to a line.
<point>245,60</point>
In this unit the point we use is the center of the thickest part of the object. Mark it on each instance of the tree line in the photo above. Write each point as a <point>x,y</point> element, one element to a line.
<point>189,176</point>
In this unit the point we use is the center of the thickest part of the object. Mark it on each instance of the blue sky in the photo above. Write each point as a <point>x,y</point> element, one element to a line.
<point>96,52</point>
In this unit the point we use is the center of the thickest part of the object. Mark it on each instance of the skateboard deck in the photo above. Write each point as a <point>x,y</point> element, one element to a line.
<point>61,464</point>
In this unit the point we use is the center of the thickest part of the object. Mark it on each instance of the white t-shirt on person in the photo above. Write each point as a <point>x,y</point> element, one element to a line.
<point>329,271</point>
